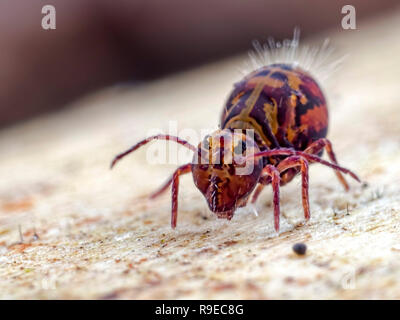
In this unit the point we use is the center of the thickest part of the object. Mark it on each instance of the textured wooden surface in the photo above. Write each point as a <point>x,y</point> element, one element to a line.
<point>99,237</point>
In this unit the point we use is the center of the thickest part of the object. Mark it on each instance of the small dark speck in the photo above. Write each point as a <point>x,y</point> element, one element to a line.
<point>299,248</point>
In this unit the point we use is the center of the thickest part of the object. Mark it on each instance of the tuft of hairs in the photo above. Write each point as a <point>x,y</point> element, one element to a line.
<point>319,61</point>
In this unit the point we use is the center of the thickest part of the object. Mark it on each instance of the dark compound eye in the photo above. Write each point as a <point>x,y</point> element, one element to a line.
<point>240,147</point>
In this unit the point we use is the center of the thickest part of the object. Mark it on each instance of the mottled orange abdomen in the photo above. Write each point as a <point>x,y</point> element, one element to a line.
<point>283,104</point>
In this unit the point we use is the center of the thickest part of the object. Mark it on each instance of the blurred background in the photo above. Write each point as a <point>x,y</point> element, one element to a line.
<point>98,43</point>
